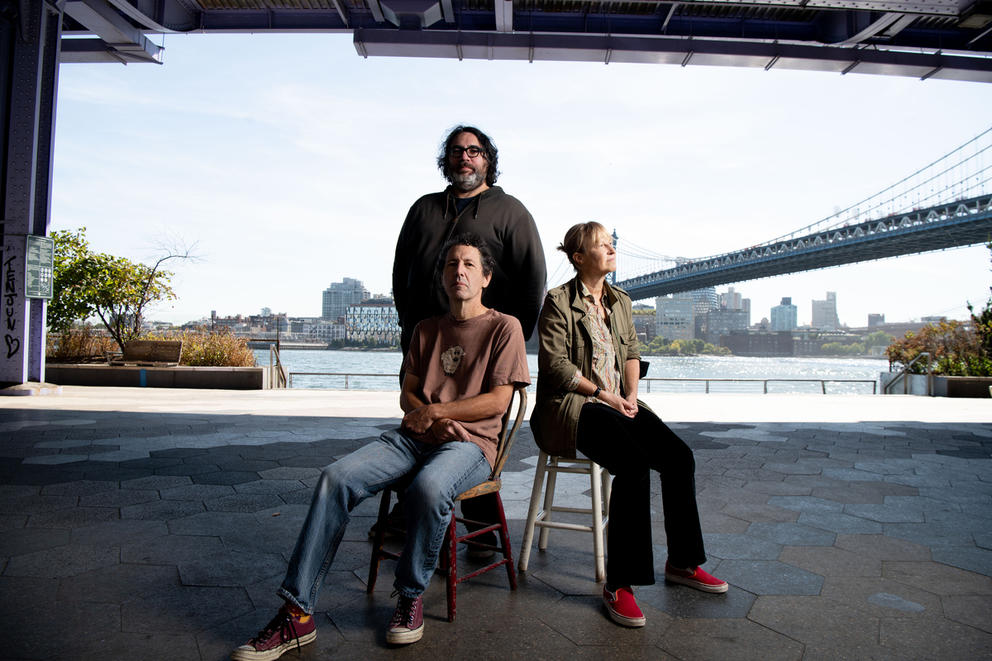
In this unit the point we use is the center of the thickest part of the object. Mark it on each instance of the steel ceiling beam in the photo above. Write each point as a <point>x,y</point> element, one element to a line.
<point>118,40</point>
<point>672,50</point>
<point>926,39</point>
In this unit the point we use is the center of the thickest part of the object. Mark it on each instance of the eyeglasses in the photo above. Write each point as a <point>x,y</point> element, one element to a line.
<point>473,151</point>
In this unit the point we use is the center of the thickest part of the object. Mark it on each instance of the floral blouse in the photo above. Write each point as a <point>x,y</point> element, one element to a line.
<point>604,358</point>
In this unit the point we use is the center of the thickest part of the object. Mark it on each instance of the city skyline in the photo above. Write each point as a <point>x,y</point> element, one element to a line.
<point>285,159</point>
<point>756,316</point>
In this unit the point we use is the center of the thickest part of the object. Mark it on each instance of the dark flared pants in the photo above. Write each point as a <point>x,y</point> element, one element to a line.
<point>630,448</point>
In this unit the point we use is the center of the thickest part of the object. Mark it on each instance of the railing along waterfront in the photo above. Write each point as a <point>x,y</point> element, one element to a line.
<point>277,371</point>
<point>648,380</point>
<point>706,381</point>
<point>344,374</point>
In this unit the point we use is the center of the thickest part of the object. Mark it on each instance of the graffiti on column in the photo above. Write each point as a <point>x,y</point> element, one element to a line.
<point>9,298</point>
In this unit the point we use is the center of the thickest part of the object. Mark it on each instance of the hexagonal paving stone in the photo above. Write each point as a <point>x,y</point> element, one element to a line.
<point>737,639</point>
<point>765,577</point>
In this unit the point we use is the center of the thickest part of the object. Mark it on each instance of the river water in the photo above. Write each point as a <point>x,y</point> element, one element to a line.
<point>387,363</point>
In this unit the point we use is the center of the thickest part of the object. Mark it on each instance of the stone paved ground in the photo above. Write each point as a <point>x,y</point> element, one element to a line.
<point>161,530</point>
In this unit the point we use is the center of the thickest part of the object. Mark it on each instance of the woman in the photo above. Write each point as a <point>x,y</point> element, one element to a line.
<point>587,400</point>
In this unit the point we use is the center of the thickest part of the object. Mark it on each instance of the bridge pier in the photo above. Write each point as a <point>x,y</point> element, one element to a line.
<point>30,33</point>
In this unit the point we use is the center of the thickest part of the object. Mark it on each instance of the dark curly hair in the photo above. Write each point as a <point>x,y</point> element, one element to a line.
<point>473,241</point>
<point>488,149</point>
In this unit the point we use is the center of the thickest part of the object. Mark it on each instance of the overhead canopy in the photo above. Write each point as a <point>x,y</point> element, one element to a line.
<point>949,39</point>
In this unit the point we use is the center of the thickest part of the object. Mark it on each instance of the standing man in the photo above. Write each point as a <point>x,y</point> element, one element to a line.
<point>471,203</point>
<point>461,370</point>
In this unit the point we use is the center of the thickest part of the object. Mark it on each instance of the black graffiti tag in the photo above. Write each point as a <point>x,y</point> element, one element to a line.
<point>9,297</point>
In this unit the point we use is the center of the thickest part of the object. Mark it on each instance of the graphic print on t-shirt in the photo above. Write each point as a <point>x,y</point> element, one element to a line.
<point>451,358</point>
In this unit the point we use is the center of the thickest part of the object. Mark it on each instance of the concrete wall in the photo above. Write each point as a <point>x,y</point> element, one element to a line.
<point>962,386</point>
<point>917,384</point>
<point>943,386</point>
<point>227,378</point>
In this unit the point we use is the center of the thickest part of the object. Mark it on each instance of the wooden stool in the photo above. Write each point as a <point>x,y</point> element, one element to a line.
<point>537,516</point>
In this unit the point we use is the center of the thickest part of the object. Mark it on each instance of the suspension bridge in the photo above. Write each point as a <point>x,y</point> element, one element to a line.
<point>946,204</point>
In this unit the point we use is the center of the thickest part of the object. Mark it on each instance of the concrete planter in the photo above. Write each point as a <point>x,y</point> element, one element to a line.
<point>915,384</point>
<point>963,386</point>
<point>224,378</point>
<point>943,386</point>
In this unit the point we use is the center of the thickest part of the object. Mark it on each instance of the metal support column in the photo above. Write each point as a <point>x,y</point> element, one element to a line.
<point>30,32</point>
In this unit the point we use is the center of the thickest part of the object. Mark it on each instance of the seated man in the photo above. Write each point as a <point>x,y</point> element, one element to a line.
<point>460,373</point>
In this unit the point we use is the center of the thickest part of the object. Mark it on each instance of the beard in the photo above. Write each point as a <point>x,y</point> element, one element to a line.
<point>468,181</point>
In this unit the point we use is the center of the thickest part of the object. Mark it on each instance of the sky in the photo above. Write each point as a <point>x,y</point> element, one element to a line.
<point>288,162</point>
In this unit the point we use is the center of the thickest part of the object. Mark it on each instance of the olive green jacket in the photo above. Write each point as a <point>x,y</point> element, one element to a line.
<point>565,338</point>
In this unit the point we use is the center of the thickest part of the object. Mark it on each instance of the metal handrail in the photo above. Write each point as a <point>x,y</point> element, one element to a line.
<point>706,381</point>
<point>344,374</point>
<point>764,382</point>
<point>278,377</point>
<point>903,374</point>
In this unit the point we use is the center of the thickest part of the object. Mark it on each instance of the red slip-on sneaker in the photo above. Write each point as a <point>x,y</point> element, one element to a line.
<point>623,608</point>
<point>695,577</point>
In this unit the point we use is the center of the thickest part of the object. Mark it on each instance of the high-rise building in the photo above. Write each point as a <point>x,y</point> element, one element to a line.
<point>731,300</point>
<point>674,317</point>
<point>734,300</point>
<point>784,316</point>
<point>875,319</point>
<point>374,321</point>
<point>723,322</point>
<point>825,313</point>
<point>340,295</point>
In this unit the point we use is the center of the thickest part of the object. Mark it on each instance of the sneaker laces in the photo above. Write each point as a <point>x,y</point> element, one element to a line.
<point>279,623</point>
<point>405,611</point>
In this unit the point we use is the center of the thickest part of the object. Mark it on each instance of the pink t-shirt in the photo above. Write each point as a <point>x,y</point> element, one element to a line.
<point>459,359</point>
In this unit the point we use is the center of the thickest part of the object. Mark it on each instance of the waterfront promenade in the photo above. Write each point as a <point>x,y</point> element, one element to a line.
<point>155,524</point>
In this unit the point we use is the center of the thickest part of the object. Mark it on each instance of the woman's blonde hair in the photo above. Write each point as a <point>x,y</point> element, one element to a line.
<point>577,237</point>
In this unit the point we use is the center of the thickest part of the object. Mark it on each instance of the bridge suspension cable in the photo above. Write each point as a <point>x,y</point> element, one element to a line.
<point>945,204</point>
<point>962,173</point>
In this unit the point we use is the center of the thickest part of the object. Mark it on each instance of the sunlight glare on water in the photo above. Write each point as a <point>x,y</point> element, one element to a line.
<point>388,363</point>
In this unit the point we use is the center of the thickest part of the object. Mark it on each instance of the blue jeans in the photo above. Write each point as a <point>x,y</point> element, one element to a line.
<point>444,471</point>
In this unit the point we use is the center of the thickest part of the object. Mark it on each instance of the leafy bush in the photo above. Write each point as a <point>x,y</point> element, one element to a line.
<point>88,284</point>
<point>841,349</point>
<point>954,348</point>
<point>660,346</point>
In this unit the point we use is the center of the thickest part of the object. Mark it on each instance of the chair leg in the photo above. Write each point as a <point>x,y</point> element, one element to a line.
<point>532,511</point>
<point>504,534</point>
<point>451,548</point>
<point>596,480</point>
<point>607,490</point>
<point>377,541</point>
<point>549,501</point>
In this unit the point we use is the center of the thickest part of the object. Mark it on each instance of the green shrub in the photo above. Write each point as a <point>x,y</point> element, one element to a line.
<point>954,348</point>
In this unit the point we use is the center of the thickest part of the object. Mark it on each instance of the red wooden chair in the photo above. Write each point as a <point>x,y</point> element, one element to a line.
<point>512,420</point>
